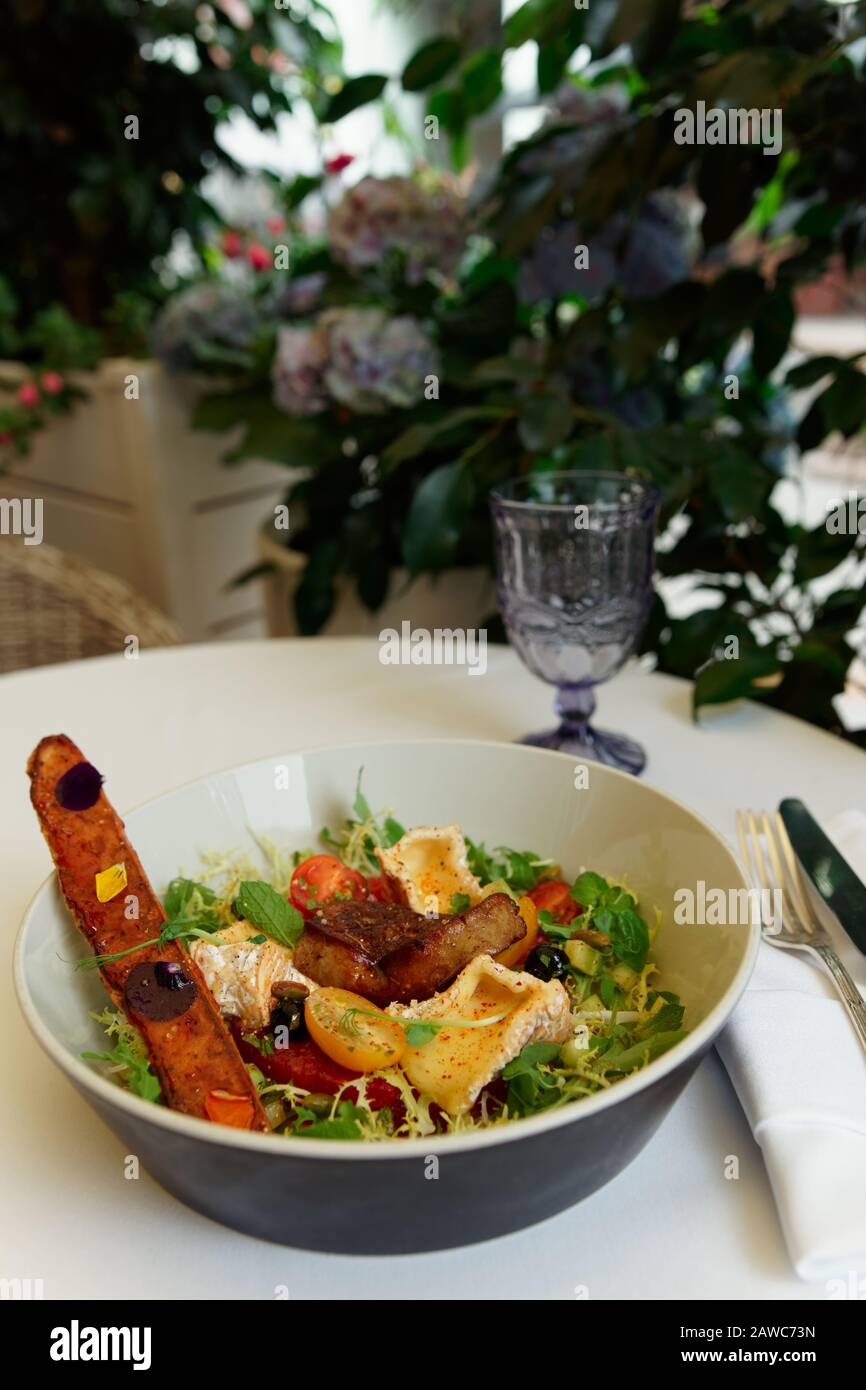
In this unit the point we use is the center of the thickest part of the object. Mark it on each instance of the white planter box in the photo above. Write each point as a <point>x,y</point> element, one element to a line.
<point>457,598</point>
<point>127,485</point>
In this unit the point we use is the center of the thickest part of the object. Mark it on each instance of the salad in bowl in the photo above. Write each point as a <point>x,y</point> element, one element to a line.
<point>393,983</point>
<point>325,1009</point>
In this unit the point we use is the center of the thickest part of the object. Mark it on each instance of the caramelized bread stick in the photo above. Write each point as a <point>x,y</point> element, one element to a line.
<point>160,988</point>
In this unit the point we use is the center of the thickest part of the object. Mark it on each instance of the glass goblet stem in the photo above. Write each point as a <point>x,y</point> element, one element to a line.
<point>575,705</point>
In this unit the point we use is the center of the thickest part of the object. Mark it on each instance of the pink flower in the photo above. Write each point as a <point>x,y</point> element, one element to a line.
<point>418,220</point>
<point>231,244</point>
<point>237,11</point>
<point>52,383</point>
<point>28,394</point>
<point>275,225</point>
<point>259,256</point>
<point>339,163</point>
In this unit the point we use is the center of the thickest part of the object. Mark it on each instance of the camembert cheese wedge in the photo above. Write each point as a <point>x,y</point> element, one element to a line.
<point>428,866</point>
<point>240,973</point>
<point>513,1008</point>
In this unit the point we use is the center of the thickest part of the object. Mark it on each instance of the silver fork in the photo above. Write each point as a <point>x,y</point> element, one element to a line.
<point>799,929</point>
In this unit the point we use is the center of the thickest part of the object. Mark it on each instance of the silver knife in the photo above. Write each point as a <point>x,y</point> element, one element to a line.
<point>834,879</point>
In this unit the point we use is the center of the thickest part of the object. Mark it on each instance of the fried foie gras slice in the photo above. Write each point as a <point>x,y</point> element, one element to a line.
<point>388,953</point>
<point>160,988</point>
<point>345,944</point>
<point>433,959</point>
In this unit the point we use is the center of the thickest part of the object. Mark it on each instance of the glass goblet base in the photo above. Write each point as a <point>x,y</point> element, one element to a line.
<point>576,736</point>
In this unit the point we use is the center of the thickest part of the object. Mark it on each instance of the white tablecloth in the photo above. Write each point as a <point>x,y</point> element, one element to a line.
<point>671,1226</point>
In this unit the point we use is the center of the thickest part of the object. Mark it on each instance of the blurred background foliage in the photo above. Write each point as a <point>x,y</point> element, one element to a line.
<point>667,355</point>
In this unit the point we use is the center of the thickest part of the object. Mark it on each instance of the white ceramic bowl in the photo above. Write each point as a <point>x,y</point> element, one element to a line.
<point>371,1198</point>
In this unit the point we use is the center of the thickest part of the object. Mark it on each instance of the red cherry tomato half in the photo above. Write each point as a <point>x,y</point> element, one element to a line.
<point>555,898</point>
<point>302,1064</point>
<point>380,889</point>
<point>323,878</point>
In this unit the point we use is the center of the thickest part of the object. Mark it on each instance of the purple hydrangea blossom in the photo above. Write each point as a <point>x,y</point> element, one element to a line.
<point>360,358</point>
<point>422,222</point>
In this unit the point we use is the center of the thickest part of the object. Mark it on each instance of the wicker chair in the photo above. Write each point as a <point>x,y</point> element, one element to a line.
<point>56,607</point>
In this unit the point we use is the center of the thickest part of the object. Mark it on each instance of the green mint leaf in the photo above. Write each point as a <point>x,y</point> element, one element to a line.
<point>603,920</point>
<point>588,889</point>
<point>629,937</point>
<point>262,905</point>
<point>618,900</point>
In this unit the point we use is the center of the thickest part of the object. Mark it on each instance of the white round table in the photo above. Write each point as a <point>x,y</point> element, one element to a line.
<point>670,1226</point>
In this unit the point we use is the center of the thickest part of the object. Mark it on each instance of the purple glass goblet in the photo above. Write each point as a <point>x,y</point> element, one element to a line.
<point>574,563</point>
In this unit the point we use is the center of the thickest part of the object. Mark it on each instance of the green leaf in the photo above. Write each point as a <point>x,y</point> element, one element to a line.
<point>669,1017</point>
<point>841,407</point>
<point>529,1090</point>
<point>588,889</point>
<point>629,938</point>
<point>731,679</point>
<point>809,372</point>
<point>358,91</point>
<point>361,805</point>
<point>264,907</point>
<point>738,483</point>
<point>630,1058</point>
<point>417,439</point>
<point>541,20</point>
<point>820,550</point>
<point>772,331</point>
<point>529,1059</point>
<point>268,433</point>
<point>345,1124</point>
<point>522,870</point>
<point>180,893</point>
<point>607,991</point>
<point>300,188</point>
<point>437,515</point>
<point>449,110</point>
<point>481,81</point>
<point>430,63</point>
<point>315,595</point>
<point>552,62</point>
<point>546,419</point>
<point>419,1033</point>
<point>459,902</point>
<point>137,1073</point>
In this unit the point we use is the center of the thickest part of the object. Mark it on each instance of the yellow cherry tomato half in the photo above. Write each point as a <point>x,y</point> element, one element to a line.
<point>516,953</point>
<point>352,1031</point>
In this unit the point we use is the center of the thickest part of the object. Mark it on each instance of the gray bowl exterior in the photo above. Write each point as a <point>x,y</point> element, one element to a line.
<point>391,1207</point>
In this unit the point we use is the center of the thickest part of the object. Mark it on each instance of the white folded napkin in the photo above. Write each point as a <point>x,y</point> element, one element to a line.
<point>799,1070</point>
